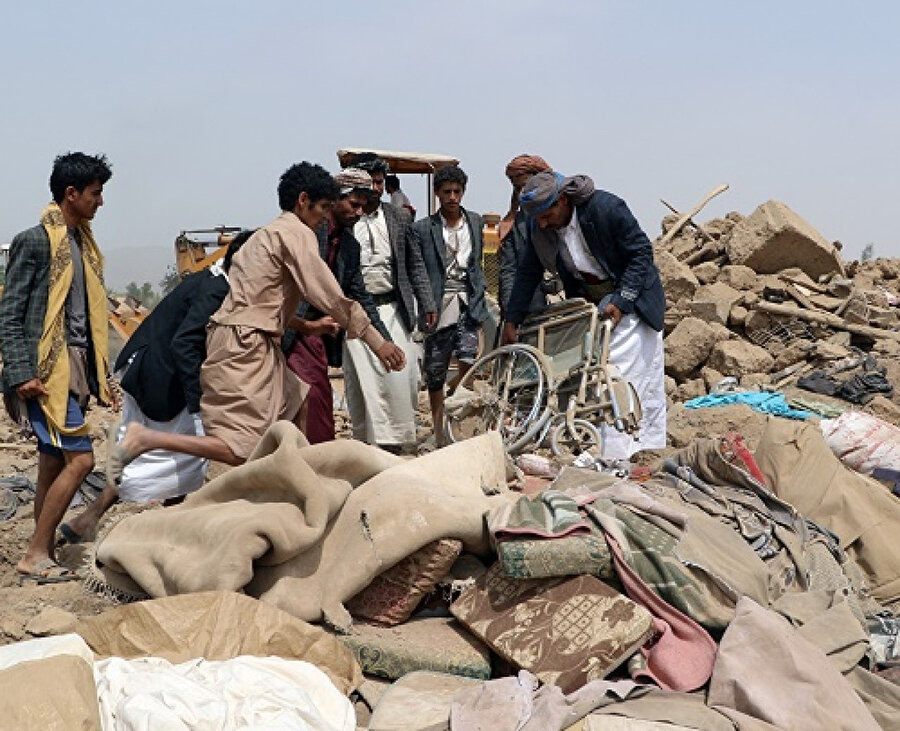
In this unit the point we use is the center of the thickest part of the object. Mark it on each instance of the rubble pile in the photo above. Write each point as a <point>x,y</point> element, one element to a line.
<point>766,300</point>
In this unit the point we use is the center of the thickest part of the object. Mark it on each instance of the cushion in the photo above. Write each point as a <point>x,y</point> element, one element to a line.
<point>537,558</point>
<point>430,643</point>
<point>565,631</point>
<point>394,594</point>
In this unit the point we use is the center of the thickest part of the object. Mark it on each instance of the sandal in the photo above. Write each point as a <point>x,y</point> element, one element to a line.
<point>67,534</point>
<point>48,572</point>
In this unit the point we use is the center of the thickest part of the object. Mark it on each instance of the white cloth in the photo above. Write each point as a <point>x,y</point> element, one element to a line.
<point>375,253</point>
<point>458,240</point>
<point>44,647</point>
<point>573,239</point>
<point>242,693</point>
<point>383,405</point>
<point>637,350</point>
<point>160,474</point>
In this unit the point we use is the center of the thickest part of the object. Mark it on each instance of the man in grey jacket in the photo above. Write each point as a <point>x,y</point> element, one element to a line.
<point>451,244</point>
<point>383,405</point>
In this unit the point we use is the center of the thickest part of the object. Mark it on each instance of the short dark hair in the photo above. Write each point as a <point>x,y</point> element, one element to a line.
<point>236,243</point>
<point>450,174</point>
<point>392,182</point>
<point>370,162</point>
<point>79,171</point>
<point>309,178</point>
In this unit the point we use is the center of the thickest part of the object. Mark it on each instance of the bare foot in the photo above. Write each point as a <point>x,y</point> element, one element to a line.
<point>119,454</point>
<point>135,442</point>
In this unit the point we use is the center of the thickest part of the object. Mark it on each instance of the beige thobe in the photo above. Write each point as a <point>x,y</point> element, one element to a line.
<point>245,380</point>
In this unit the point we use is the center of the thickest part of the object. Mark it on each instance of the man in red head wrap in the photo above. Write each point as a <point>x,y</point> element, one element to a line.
<point>513,230</point>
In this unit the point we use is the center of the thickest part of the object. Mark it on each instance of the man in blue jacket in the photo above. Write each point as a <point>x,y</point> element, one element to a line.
<point>591,239</point>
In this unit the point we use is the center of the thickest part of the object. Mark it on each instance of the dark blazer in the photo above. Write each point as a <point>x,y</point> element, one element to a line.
<point>23,308</point>
<point>169,347</point>
<point>409,276</point>
<point>428,235</point>
<point>622,249</point>
<point>348,274</point>
<point>512,251</point>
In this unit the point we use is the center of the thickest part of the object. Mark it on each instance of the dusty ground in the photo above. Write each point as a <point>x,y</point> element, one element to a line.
<point>19,604</point>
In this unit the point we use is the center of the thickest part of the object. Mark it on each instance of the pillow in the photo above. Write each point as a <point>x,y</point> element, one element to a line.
<point>394,594</point>
<point>565,631</point>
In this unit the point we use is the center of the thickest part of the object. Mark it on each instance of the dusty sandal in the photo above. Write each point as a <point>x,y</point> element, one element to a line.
<point>48,572</point>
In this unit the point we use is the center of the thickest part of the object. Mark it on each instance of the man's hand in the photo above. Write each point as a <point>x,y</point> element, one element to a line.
<point>509,334</point>
<point>431,320</point>
<point>323,326</point>
<point>611,312</point>
<point>31,389</point>
<point>391,356</point>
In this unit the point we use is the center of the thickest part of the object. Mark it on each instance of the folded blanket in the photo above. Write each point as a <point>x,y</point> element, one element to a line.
<point>307,527</point>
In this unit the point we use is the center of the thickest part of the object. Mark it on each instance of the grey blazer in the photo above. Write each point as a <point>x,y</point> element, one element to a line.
<point>428,235</point>
<point>23,305</point>
<point>409,276</point>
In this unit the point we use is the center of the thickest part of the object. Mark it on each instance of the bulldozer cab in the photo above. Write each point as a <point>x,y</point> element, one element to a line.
<point>200,248</point>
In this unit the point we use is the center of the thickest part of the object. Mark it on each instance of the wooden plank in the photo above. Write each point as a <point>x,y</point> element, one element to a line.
<point>827,319</point>
<point>679,224</point>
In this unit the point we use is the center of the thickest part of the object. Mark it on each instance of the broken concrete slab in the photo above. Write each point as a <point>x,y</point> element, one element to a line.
<point>678,280</point>
<point>774,237</point>
<point>713,302</point>
<point>687,347</point>
<point>706,272</point>
<point>739,358</point>
<point>738,276</point>
<point>693,388</point>
<point>793,353</point>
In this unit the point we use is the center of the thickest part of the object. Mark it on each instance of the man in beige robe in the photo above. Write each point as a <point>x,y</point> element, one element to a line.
<point>246,384</point>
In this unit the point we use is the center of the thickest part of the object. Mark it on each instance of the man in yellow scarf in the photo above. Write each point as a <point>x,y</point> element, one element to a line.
<point>54,342</point>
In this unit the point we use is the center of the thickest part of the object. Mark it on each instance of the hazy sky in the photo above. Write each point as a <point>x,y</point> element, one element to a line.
<point>201,105</point>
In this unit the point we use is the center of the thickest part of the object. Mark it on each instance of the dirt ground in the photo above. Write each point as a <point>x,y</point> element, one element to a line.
<point>20,604</point>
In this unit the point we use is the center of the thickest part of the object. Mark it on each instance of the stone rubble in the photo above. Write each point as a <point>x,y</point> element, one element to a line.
<point>718,280</point>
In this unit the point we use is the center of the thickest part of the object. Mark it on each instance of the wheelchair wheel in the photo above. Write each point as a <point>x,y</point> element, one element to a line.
<point>582,437</point>
<point>505,390</point>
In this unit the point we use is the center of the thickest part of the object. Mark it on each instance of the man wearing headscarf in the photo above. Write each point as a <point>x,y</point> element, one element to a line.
<point>591,239</point>
<point>514,231</point>
<point>383,405</point>
<point>317,343</point>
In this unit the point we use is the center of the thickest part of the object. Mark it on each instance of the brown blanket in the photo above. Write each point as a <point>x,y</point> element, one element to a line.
<point>802,469</point>
<point>307,527</point>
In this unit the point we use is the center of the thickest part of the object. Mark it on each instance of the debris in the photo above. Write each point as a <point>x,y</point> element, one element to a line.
<point>773,238</point>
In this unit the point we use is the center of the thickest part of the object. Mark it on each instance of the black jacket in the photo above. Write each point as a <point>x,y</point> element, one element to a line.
<point>169,347</point>
<point>622,249</point>
<point>512,251</point>
<point>348,274</point>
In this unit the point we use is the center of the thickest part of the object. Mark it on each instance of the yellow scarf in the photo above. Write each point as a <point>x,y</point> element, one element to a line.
<point>53,356</point>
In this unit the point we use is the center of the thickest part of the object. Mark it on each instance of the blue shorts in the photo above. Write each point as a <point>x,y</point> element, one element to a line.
<point>51,441</point>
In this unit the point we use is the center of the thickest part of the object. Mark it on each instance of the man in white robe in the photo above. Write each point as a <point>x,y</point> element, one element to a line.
<point>383,404</point>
